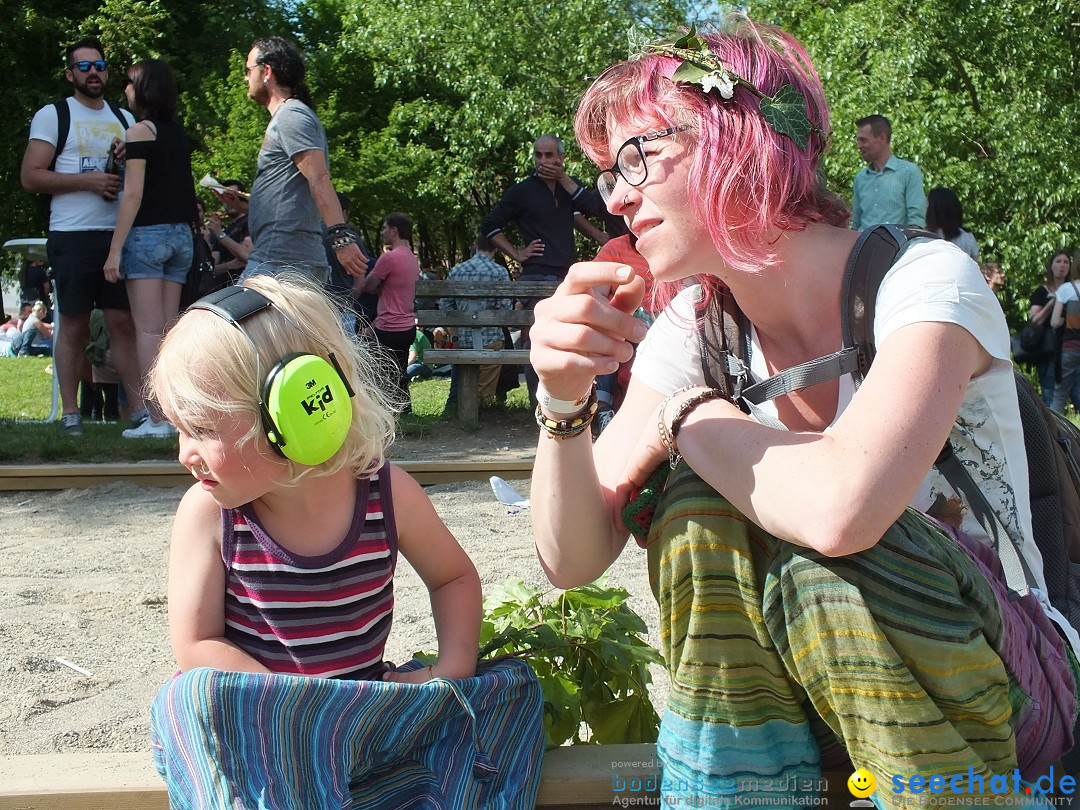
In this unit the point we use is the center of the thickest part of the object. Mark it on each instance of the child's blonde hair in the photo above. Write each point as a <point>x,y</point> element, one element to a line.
<point>206,368</point>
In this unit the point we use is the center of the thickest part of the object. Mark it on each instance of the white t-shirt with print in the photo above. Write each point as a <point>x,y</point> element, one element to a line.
<point>933,281</point>
<point>86,150</point>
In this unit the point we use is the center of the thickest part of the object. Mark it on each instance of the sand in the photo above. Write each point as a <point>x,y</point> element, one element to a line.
<point>84,581</point>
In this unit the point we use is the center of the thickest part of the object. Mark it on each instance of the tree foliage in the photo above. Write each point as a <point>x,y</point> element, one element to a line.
<point>982,95</point>
<point>432,109</point>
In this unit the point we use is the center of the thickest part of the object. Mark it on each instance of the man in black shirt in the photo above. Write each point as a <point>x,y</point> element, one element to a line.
<point>543,207</point>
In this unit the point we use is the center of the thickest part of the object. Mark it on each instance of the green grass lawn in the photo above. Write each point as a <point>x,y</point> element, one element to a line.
<point>26,396</point>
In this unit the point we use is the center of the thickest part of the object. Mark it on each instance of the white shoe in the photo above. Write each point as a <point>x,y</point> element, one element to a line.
<point>149,429</point>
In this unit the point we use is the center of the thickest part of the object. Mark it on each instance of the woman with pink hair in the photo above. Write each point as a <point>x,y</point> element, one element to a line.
<point>827,600</point>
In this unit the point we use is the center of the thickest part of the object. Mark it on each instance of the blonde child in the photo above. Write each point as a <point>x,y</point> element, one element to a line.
<point>282,563</point>
<point>277,566</point>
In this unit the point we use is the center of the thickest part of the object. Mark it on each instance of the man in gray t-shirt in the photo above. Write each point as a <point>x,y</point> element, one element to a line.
<point>292,193</point>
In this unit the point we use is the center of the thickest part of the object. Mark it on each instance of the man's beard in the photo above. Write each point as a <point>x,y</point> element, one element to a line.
<point>95,91</point>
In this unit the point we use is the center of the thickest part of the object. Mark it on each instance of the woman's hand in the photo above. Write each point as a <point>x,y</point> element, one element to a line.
<point>112,268</point>
<point>579,334</point>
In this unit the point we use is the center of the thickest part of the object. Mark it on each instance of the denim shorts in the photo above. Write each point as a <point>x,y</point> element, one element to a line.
<point>158,251</point>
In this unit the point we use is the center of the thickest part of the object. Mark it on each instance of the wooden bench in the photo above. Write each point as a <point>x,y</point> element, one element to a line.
<point>572,777</point>
<point>468,359</point>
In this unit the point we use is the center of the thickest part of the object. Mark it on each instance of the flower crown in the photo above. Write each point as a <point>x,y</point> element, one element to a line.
<point>784,111</point>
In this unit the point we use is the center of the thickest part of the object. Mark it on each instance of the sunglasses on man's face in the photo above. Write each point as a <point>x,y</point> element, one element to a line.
<point>100,65</point>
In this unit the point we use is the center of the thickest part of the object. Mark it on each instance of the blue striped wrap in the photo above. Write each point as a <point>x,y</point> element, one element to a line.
<point>251,740</point>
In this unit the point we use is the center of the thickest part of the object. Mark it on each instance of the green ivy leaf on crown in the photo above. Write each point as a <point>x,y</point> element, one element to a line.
<point>784,111</point>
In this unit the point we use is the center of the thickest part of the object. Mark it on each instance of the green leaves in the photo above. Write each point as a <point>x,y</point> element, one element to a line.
<point>785,112</point>
<point>587,650</point>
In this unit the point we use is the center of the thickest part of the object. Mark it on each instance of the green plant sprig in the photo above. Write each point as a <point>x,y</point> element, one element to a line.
<point>784,111</point>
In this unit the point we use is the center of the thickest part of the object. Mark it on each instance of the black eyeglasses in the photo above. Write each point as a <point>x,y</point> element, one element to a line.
<point>249,68</point>
<point>630,162</point>
<point>100,65</point>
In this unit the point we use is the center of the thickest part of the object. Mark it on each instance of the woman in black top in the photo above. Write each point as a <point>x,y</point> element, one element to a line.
<point>1042,307</point>
<point>152,245</point>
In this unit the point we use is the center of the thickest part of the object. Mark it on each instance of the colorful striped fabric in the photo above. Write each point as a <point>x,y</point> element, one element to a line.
<point>901,659</point>
<point>233,739</point>
<point>326,616</point>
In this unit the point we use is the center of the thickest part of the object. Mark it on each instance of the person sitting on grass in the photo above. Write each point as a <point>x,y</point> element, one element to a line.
<point>35,336</point>
<point>827,600</point>
<point>284,550</point>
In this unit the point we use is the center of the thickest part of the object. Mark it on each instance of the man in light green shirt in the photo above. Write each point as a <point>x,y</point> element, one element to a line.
<point>888,190</point>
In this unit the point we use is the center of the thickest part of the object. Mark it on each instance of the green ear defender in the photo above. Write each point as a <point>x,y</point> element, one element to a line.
<point>305,401</point>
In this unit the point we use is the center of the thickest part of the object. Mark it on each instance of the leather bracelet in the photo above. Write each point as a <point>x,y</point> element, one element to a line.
<point>562,407</point>
<point>683,411</point>
<point>343,239</point>
<point>341,227</point>
<point>572,426</point>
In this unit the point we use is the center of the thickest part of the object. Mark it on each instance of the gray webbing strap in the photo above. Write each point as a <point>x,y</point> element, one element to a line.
<point>804,375</point>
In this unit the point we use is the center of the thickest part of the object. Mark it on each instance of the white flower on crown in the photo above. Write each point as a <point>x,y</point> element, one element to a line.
<point>719,80</point>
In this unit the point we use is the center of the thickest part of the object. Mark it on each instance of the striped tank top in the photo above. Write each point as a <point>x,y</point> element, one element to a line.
<point>327,616</point>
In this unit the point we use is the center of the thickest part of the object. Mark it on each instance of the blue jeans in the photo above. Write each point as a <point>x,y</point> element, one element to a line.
<point>1068,386</point>
<point>158,251</point>
<point>313,270</point>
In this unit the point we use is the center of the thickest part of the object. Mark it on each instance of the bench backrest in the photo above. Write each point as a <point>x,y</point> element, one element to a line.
<point>439,288</point>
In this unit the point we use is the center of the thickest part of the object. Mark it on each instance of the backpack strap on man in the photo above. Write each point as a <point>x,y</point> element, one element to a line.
<point>119,114</point>
<point>63,127</point>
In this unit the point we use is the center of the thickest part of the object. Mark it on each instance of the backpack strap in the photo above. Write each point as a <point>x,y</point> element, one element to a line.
<point>874,254</point>
<point>63,127</point>
<point>724,344</point>
<point>119,114</point>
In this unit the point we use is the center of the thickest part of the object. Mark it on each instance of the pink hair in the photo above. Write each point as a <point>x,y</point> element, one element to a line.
<point>746,181</point>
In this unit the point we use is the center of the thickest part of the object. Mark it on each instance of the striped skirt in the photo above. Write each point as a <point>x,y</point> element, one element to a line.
<point>249,740</point>
<point>908,658</point>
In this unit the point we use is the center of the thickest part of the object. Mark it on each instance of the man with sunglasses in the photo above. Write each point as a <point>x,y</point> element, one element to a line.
<point>72,146</point>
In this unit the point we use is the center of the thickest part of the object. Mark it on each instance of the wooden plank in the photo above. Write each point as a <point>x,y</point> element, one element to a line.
<point>572,776</point>
<point>480,317</point>
<point>476,357</point>
<point>30,477</point>
<point>484,289</point>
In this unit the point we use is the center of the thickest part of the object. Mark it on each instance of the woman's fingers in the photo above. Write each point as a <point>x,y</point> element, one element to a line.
<point>579,334</point>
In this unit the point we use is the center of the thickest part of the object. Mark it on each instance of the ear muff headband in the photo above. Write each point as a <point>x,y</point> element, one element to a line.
<point>304,400</point>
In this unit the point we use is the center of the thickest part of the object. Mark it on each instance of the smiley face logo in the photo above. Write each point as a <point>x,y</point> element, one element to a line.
<point>861,783</point>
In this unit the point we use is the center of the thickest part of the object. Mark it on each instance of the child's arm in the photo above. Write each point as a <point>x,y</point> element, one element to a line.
<point>197,589</point>
<point>449,575</point>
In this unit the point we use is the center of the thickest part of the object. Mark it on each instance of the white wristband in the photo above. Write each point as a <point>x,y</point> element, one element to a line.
<point>560,407</point>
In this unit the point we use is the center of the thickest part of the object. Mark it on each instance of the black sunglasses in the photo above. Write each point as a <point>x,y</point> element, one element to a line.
<point>84,66</point>
<point>124,82</point>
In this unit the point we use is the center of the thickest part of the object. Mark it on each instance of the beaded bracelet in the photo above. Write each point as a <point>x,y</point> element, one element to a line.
<point>684,409</point>
<point>571,426</point>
